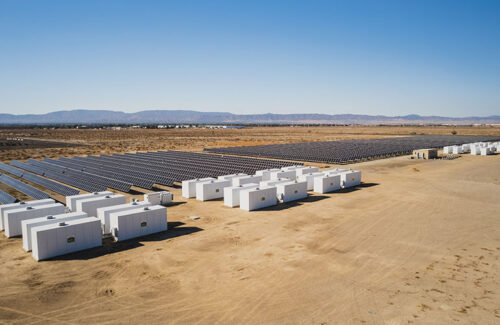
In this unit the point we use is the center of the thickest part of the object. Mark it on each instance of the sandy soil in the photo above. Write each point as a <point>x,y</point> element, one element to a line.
<point>418,243</point>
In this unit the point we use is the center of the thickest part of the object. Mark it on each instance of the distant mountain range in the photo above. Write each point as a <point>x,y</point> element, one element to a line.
<point>194,117</point>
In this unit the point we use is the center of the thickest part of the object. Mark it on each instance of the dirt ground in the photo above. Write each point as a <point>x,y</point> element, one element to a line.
<point>417,243</point>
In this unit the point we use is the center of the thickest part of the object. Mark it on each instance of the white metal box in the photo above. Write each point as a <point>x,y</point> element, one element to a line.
<point>91,205</point>
<point>327,183</point>
<point>309,178</point>
<point>246,180</point>
<point>258,198</point>
<point>232,194</point>
<point>189,186</point>
<point>485,151</point>
<point>230,177</point>
<point>18,205</point>
<point>161,198</point>
<point>104,213</point>
<point>475,150</point>
<point>306,170</point>
<point>350,178</point>
<point>273,182</point>
<point>291,191</point>
<point>291,167</point>
<point>72,199</point>
<point>138,222</point>
<point>211,190</point>
<point>457,150</point>
<point>65,237</point>
<point>266,173</point>
<point>290,174</point>
<point>14,217</point>
<point>26,225</point>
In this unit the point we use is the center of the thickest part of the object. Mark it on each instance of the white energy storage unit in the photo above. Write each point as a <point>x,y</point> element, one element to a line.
<point>334,171</point>
<point>290,174</point>
<point>246,180</point>
<point>104,214</point>
<point>211,190</point>
<point>309,179</point>
<point>457,150</point>
<point>18,205</point>
<point>258,198</point>
<point>159,198</point>
<point>230,177</point>
<point>291,191</point>
<point>266,173</point>
<point>26,225</point>
<point>306,170</point>
<point>65,237</point>
<point>475,150</point>
<point>350,178</point>
<point>138,222</point>
<point>232,194</point>
<point>485,151</point>
<point>13,218</point>
<point>291,167</point>
<point>273,182</point>
<point>72,199</point>
<point>327,183</point>
<point>189,186</point>
<point>91,205</point>
<point>448,150</point>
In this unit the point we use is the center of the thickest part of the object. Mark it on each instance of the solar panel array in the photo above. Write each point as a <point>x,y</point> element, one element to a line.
<point>144,169</point>
<point>23,187</point>
<point>51,185</point>
<point>6,198</point>
<point>345,151</point>
<point>11,170</point>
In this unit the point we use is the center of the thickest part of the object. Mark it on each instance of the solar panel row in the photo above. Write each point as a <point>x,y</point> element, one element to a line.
<point>349,150</point>
<point>23,187</point>
<point>6,198</point>
<point>12,170</point>
<point>78,183</point>
<point>51,185</point>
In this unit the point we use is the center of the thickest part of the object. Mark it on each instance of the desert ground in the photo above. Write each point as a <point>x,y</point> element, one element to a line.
<point>417,243</point>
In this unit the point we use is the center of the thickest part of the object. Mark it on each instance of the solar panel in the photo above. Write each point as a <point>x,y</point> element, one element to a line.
<point>23,187</point>
<point>6,198</point>
<point>12,170</point>
<point>79,183</point>
<point>25,166</point>
<point>51,185</point>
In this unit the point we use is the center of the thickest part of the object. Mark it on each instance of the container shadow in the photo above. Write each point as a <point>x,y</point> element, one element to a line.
<point>109,246</point>
<point>355,188</point>
<point>173,204</point>
<point>287,205</point>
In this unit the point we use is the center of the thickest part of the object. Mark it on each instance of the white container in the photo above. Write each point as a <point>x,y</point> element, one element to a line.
<point>18,205</point>
<point>232,194</point>
<point>291,168</point>
<point>266,173</point>
<point>350,178</point>
<point>72,199</point>
<point>230,177</point>
<point>14,217</point>
<point>273,182</point>
<point>290,174</point>
<point>103,214</point>
<point>138,222</point>
<point>309,178</point>
<point>327,183</point>
<point>65,237</point>
<point>211,190</point>
<point>159,198</point>
<point>448,150</point>
<point>91,205</point>
<point>189,186</point>
<point>258,198</point>
<point>485,151</point>
<point>26,225</point>
<point>475,150</point>
<point>291,191</point>
<point>166,198</point>
<point>305,170</point>
<point>457,150</point>
<point>246,180</point>
<point>334,171</point>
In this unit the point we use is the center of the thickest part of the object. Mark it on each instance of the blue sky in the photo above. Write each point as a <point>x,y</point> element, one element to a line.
<point>360,57</point>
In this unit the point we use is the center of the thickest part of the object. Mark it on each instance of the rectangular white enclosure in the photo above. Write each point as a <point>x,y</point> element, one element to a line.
<point>327,183</point>
<point>138,222</point>
<point>161,197</point>
<point>295,167</point>
<point>211,190</point>
<point>448,150</point>
<point>104,213</point>
<point>457,150</point>
<point>72,199</point>
<point>14,217</point>
<point>475,150</point>
<point>23,204</point>
<point>258,198</point>
<point>26,225</point>
<point>189,186</point>
<point>65,237</point>
<point>232,194</point>
<point>309,178</point>
<point>306,170</point>
<point>91,205</point>
<point>290,174</point>
<point>291,191</point>
<point>230,177</point>
<point>350,178</point>
<point>273,182</point>
<point>246,180</point>
<point>266,173</point>
<point>334,171</point>
<point>485,151</point>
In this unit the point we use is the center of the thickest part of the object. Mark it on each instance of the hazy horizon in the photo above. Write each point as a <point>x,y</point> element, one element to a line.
<point>431,58</point>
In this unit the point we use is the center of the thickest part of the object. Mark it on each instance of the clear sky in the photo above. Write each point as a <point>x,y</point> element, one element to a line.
<point>361,57</point>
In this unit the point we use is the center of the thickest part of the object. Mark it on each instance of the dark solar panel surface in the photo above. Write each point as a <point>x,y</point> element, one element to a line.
<point>23,187</point>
